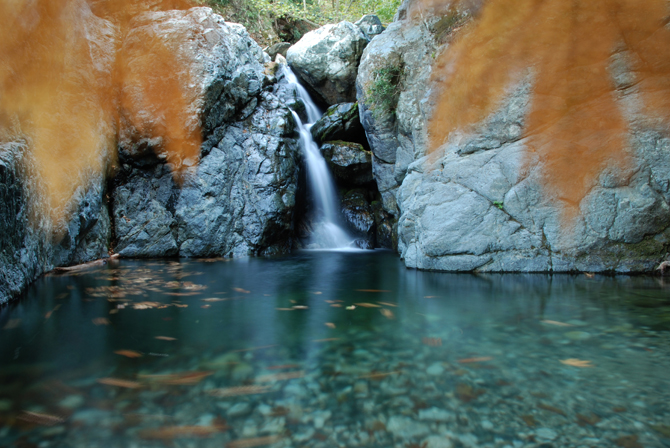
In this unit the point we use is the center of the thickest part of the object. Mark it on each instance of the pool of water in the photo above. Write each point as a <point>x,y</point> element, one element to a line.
<point>327,349</point>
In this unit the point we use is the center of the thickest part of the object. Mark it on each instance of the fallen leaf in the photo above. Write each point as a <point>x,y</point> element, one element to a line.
<point>432,342</point>
<point>165,338</point>
<point>317,293</point>
<point>253,348</point>
<point>388,304</point>
<point>471,360</point>
<point>467,393</point>
<point>244,291</point>
<point>173,432</point>
<point>589,274</point>
<point>178,379</point>
<point>591,419</point>
<point>213,299</point>
<point>576,362</point>
<point>326,340</point>
<point>48,315</point>
<point>280,376</point>
<point>178,305</point>
<point>120,383</point>
<point>256,441</point>
<point>553,322</point>
<point>101,321</point>
<point>284,366</point>
<point>330,325</point>
<point>114,311</point>
<point>368,305</point>
<point>387,313</point>
<point>12,324</point>
<point>129,353</point>
<point>181,294</point>
<point>378,375</point>
<point>551,408</point>
<point>240,390</point>
<point>284,309</point>
<point>40,419</point>
<point>300,307</point>
<point>430,297</point>
<point>205,306</point>
<point>351,307</point>
<point>336,305</point>
<point>529,420</point>
<point>373,290</point>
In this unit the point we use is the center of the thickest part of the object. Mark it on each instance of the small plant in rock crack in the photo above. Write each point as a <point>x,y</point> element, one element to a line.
<point>498,204</point>
<point>385,90</point>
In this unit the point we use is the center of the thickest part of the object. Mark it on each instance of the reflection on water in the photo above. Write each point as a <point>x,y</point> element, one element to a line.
<point>328,349</point>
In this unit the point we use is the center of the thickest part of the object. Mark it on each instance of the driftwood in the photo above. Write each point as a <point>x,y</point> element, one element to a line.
<point>84,266</point>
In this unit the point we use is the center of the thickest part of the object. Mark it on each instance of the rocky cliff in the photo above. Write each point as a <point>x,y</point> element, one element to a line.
<point>479,202</point>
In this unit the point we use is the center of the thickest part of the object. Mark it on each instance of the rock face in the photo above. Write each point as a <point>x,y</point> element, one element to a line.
<point>350,163</point>
<point>473,207</point>
<point>359,215</point>
<point>370,25</point>
<point>339,122</point>
<point>326,61</point>
<point>239,199</point>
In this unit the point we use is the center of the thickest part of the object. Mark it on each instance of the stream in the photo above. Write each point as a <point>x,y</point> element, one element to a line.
<point>333,349</point>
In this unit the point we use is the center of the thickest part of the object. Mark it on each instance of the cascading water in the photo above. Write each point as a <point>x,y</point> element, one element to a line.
<point>328,234</point>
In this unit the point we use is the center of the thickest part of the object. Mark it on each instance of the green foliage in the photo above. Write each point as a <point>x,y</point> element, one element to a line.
<point>384,91</point>
<point>498,204</point>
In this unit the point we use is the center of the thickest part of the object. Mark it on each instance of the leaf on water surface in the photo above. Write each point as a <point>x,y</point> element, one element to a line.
<point>334,301</point>
<point>628,442</point>
<point>12,324</point>
<point>173,432</point>
<point>256,441</point>
<point>368,305</point>
<point>114,311</point>
<point>240,390</point>
<point>48,315</point>
<point>280,376</point>
<point>178,305</point>
<point>432,342</point>
<point>326,340</point>
<point>591,419</point>
<point>387,313</point>
<point>336,305</point>
<point>253,348</point>
<point>529,420</point>
<point>120,383</point>
<point>284,309</point>
<point>39,418</point>
<point>213,299</point>
<point>244,291</point>
<point>351,307</point>
<point>165,338</point>
<point>372,290</point>
<point>388,304</point>
<point>178,379</point>
<point>477,359</point>
<point>284,366</point>
<point>101,321</point>
<point>550,408</point>
<point>205,306</point>
<point>379,375</point>
<point>129,353</point>
<point>431,297</point>
<point>300,307</point>
<point>330,325</point>
<point>553,322</point>
<point>317,293</point>
<point>147,305</point>
<point>576,362</point>
<point>181,294</point>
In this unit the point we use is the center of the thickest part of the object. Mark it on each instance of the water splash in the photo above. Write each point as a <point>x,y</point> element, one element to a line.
<point>328,233</point>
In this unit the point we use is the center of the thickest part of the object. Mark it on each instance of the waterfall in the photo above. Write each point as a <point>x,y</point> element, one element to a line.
<point>328,234</point>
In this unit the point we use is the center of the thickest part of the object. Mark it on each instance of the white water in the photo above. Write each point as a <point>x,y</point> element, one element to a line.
<point>328,234</point>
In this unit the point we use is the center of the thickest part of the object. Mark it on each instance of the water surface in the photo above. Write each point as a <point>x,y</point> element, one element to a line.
<point>328,349</point>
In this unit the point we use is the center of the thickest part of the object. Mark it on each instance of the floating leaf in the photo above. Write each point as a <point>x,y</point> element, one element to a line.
<point>280,376</point>
<point>387,313</point>
<point>101,321</point>
<point>554,322</point>
<point>205,306</point>
<point>284,366</point>
<point>256,441</point>
<point>336,305</point>
<point>213,299</point>
<point>236,391</point>
<point>388,304</point>
<point>576,362</point>
<point>471,360</point>
<point>48,315</point>
<point>350,307</point>
<point>120,383</point>
<point>165,338</point>
<point>40,419</point>
<point>326,340</point>
<point>129,353</point>
<point>173,432</point>
<point>178,379</point>
<point>330,325</point>
<point>253,348</point>
<point>318,293</point>
<point>368,305</point>
<point>243,291</point>
<point>372,290</point>
<point>12,324</point>
<point>300,307</point>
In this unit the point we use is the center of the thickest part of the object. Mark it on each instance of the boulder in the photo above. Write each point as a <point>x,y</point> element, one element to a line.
<point>359,216</point>
<point>278,48</point>
<point>339,122</point>
<point>476,205</point>
<point>238,199</point>
<point>326,61</point>
<point>350,163</point>
<point>370,25</point>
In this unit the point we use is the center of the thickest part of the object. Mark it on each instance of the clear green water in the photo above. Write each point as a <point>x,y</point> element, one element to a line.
<point>429,360</point>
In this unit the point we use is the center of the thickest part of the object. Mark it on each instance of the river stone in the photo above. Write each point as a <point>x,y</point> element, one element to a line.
<point>370,25</point>
<point>350,163</point>
<point>406,428</point>
<point>326,60</point>
<point>339,122</point>
<point>435,415</point>
<point>437,442</point>
<point>474,207</point>
<point>239,410</point>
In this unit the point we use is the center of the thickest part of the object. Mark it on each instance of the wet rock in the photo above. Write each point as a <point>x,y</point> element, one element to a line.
<point>436,415</point>
<point>273,426</point>
<point>385,224</point>
<point>435,369</point>
<point>358,214</point>
<point>239,410</point>
<point>339,122</point>
<point>370,25</point>
<point>437,442</point>
<point>350,163</point>
<point>406,428</point>
<point>326,60</point>
<point>278,48</point>
<point>546,434</point>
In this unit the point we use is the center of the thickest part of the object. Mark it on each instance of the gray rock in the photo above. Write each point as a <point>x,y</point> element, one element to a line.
<point>339,122</point>
<point>350,163</point>
<point>370,25</point>
<point>278,48</point>
<point>475,206</point>
<point>406,428</point>
<point>358,214</point>
<point>326,60</point>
